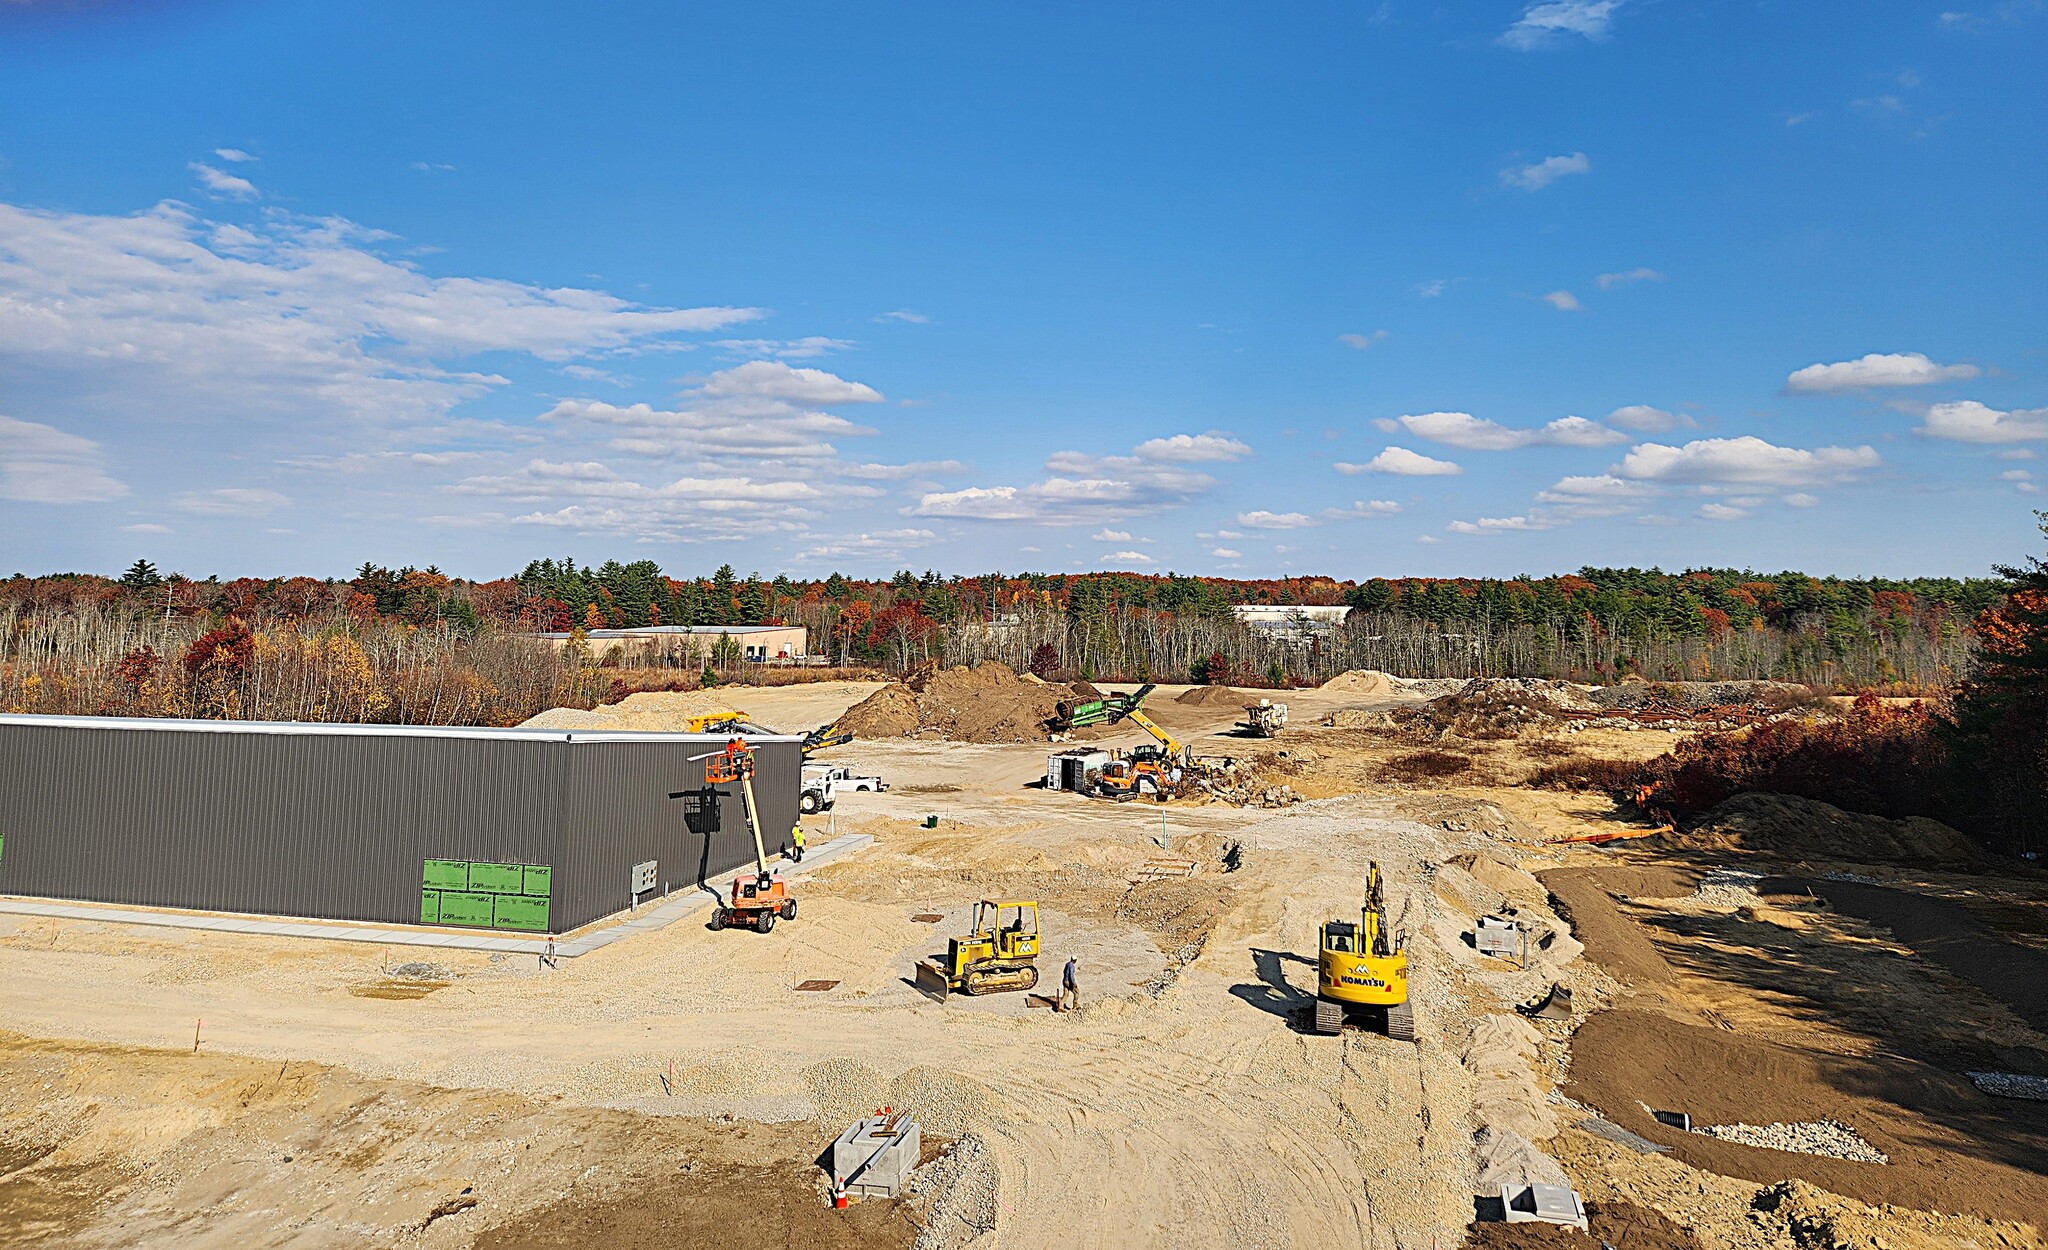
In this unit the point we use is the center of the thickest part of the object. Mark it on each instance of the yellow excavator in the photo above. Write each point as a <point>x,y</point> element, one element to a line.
<point>1147,769</point>
<point>717,722</point>
<point>1362,972</point>
<point>999,953</point>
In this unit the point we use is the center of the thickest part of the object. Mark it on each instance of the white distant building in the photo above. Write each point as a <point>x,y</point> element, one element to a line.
<point>1294,623</point>
<point>757,643</point>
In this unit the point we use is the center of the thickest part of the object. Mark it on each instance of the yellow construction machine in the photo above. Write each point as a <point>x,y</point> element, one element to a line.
<point>1362,972</point>
<point>1148,769</point>
<point>1000,953</point>
<point>717,722</point>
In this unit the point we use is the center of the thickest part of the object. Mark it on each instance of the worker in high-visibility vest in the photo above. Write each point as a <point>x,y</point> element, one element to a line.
<point>796,838</point>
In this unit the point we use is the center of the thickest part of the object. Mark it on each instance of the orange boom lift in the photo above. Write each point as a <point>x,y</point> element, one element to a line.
<point>758,900</point>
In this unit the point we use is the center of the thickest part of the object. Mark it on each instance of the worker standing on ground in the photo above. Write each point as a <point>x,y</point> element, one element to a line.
<point>1070,985</point>
<point>796,838</point>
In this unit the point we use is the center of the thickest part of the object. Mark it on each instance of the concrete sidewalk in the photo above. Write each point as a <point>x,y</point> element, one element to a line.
<point>685,902</point>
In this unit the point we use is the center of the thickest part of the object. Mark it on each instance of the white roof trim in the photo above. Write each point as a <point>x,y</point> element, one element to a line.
<point>349,730</point>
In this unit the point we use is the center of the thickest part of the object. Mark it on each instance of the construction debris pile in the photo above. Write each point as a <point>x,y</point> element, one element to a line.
<point>987,703</point>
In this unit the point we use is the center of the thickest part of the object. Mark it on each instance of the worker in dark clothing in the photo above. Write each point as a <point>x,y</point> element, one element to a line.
<point>1070,985</point>
<point>796,838</point>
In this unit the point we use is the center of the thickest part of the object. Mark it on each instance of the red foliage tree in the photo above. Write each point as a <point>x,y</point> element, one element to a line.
<point>225,651</point>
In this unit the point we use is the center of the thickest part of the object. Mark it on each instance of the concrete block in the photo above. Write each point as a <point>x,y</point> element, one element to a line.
<point>876,1155</point>
<point>1543,1204</point>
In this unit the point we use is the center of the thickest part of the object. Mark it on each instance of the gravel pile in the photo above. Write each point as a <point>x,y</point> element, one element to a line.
<point>1810,1137</point>
<point>1727,888</point>
<point>961,1187</point>
<point>2011,1085</point>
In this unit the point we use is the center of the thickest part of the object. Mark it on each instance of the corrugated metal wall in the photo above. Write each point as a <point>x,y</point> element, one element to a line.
<point>337,824</point>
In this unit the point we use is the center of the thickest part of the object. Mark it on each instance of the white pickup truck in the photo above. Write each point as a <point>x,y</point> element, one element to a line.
<point>824,783</point>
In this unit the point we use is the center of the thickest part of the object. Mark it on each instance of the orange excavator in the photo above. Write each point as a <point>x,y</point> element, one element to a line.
<point>756,901</point>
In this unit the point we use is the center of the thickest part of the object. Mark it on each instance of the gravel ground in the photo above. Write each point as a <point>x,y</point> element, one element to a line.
<point>1728,889</point>
<point>2012,1085</point>
<point>1812,1137</point>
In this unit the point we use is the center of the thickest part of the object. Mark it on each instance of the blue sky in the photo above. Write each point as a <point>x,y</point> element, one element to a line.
<point>1360,289</point>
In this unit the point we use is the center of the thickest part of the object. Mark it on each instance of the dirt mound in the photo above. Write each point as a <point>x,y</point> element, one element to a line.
<point>1085,691</point>
<point>1488,708</point>
<point>1363,681</point>
<point>1798,828</point>
<point>1951,1148</point>
<point>988,703</point>
<point>1693,696</point>
<point>1215,696</point>
<point>1612,940</point>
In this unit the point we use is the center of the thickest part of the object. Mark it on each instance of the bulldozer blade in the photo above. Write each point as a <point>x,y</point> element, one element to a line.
<point>1556,1005</point>
<point>932,981</point>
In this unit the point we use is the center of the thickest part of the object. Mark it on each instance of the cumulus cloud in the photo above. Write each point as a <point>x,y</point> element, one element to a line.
<point>233,155</point>
<point>1593,496</point>
<point>905,315</point>
<point>1874,370</point>
<point>879,545</point>
<point>1361,509</point>
<point>1359,342</point>
<point>1499,525</point>
<point>1225,553</point>
<point>899,472</point>
<point>43,464</point>
<point>1721,512</point>
<point>1213,447</point>
<point>1274,520</point>
<point>164,313</point>
<point>221,182</point>
<point>231,501</point>
<point>1128,557</point>
<point>1800,499</point>
<point>1563,301</point>
<point>1646,419</point>
<point>1608,281</point>
<point>1106,535</point>
<point>1971,422</point>
<point>775,382</point>
<point>1540,174</point>
<point>1553,22</point>
<point>146,527</point>
<point>1744,461</point>
<point>1462,429</point>
<point>1402,462</point>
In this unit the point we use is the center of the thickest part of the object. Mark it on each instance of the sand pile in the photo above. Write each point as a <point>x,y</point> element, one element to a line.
<point>1798,828</point>
<point>1373,683</point>
<point>988,703</point>
<point>1215,696</point>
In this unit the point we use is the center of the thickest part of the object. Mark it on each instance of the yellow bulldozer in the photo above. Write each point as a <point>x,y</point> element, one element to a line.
<point>1362,972</point>
<point>999,953</point>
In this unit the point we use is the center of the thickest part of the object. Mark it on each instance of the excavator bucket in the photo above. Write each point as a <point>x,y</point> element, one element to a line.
<point>1556,1005</point>
<point>932,981</point>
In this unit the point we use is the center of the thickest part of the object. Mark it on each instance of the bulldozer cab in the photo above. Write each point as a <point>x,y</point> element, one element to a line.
<point>1011,928</point>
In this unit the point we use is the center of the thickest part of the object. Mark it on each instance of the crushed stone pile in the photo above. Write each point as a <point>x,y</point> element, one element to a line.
<point>1801,828</point>
<point>1493,707</point>
<point>1694,696</point>
<point>960,1187</point>
<point>1807,1137</point>
<point>2011,1085</point>
<point>986,703</point>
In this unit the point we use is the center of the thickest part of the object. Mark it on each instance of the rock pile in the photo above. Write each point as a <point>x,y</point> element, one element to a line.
<point>1806,1137</point>
<point>1695,696</point>
<point>986,703</point>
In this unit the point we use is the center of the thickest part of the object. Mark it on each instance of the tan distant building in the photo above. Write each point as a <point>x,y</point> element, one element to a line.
<point>764,644</point>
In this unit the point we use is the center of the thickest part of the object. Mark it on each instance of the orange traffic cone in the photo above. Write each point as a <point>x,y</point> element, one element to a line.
<point>839,1195</point>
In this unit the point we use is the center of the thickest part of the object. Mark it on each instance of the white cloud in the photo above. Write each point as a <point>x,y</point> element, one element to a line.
<point>1971,422</point>
<point>1128,557</point>
<point>1110,536</point>
<point>1462,429</point>
<point>1598,495</point>
<point>146,527</point>
<point>1874,370</point>
<point>1547,24</point>
<point>1359,342</point>
<point>1209,448</point>
<point>1432,288</point>
<point>1800,119</point>
<point>1540,174</point>
<point>43,464</point>
<point>773,381</point>
<point>1744,461</point>
<point>1721,512</point>
<point>2016,453</point>
<point>905,315</point>
<point>1563,301</point>
<point>2015,475</point>
<point>1801,499</point>
<point>1646,419</point>
<point>1361,509</point>
<point>1230,534</point>
<point>1225,553</point>
<point>1401,462</point>
<point>163,313</point>
<point>433,167</point>
<point>221,182</point>
<point>899,472</point>
<point>233,155</point>
<point>230,501</point>
<point>805,348</point>
<point>881,544</point>
<point>585,373</point>
<point>1499,525</point>
<point>1608,281</point>
<point>1274,520</point>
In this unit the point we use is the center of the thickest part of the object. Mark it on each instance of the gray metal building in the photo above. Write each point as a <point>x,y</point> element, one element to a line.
<point>519,829</point>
